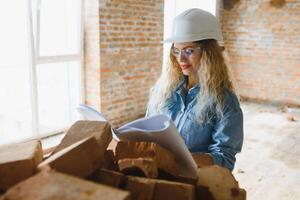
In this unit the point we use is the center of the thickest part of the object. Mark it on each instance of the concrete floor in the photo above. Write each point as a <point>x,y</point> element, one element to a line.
<point>269,165</point>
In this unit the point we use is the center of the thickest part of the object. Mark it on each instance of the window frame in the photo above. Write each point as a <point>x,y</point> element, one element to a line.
<point>35,59</point>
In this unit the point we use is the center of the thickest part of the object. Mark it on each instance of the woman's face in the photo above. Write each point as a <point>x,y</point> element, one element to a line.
<point>188,56</point>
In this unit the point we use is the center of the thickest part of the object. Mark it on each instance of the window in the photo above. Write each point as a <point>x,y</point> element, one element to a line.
<point>40,67</point>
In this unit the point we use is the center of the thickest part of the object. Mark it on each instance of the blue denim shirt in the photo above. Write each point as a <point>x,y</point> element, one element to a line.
<point>221,137</point>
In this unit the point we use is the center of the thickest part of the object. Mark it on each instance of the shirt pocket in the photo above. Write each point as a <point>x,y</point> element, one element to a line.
<point>198,135</point>
<point>171,109</point>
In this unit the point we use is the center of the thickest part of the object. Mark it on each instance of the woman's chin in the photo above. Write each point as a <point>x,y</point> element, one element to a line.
<point>186,72</point>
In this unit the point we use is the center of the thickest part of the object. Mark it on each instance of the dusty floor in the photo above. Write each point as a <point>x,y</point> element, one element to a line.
<point>269,165</point>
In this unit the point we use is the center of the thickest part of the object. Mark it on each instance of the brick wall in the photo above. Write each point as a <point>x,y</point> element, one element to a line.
<point>263,43</point>
<point>130,57</point>
<point>92,54</point>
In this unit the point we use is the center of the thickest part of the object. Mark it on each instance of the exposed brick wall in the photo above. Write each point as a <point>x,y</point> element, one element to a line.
<point>92,54</point>
<point>263,43</point>
<point>130,57</point>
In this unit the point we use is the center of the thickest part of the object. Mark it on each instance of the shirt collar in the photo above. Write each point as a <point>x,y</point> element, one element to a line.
<point>193,91</point>
<point>180,86</point>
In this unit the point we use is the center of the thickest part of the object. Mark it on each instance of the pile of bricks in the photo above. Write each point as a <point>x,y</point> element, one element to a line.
<point>82,167</point>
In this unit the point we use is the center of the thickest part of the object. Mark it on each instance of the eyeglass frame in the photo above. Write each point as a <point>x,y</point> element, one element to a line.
<point>183,51</point>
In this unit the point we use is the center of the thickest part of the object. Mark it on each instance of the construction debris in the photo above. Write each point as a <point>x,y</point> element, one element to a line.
<point>108,177</point>
<point>83,167</point>
<point>79,159</point>
<point>18,162</point>
<point>215,182</point>
<point>56,186</point>
<point>83,129</point>
<point>164,159</point>
<point>109,161</point>
<point>155,189</point>
<point>140,188</point>
<point>133,166</point>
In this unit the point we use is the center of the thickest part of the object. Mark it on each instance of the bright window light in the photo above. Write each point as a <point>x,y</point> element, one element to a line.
<point>43,79</point>
<point>59,27</point>
<point>15,106</point>
<point>58,94</point>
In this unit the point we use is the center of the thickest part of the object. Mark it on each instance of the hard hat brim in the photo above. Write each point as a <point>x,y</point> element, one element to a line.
<point>193,38</point>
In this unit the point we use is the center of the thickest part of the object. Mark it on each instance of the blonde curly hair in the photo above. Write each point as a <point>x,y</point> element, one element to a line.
<point>213,77</point>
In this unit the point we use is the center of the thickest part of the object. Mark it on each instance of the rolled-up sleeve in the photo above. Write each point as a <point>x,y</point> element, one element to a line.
<point>228,134</point>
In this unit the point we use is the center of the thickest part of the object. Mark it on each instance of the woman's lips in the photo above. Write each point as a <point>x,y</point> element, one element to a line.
<point>184,66</point>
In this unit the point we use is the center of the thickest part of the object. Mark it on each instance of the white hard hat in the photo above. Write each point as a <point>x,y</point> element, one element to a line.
<point>193,25</point>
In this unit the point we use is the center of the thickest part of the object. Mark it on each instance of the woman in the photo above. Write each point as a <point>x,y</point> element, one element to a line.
<point>195,91</point>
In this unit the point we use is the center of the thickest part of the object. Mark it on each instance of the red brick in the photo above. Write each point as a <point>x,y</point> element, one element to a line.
<point>124,31</point>
<point>140,188</point>
<point>108,177</point>
<point>180,179</point>
<point>134,166</point>
<point>263,47</point>
<point>146,188</point>
<point>54,185</point>
<point>109,160</point>
<point>164,159</point>
<point>168,190</point>
<point>215,182</point>
<point>79,159</point>
<point>18,162</point>
<point>83,129</point>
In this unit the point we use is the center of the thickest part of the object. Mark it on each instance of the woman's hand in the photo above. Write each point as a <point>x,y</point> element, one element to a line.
<point>202,159</point>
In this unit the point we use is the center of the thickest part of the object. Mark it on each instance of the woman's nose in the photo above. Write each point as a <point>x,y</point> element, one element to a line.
<point>182,57</point>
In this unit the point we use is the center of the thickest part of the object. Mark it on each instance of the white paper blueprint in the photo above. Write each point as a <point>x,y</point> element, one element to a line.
<point>158,128</point>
